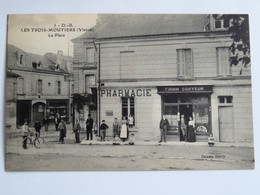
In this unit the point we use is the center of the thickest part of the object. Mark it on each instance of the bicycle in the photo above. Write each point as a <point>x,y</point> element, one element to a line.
<point>37,141</point>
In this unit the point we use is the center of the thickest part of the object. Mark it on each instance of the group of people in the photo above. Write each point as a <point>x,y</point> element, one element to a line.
<point>60,126</point>
<point>120,132</point>
<point>26,131</point>
<point>187,131</point>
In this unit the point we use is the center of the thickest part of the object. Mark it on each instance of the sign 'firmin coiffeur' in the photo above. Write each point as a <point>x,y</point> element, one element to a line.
<point>185,89</point>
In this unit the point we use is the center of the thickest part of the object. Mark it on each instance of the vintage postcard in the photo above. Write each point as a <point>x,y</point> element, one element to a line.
<point>96,92</point>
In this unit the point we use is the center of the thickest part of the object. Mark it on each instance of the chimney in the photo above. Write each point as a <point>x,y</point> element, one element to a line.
<point>59,58</point>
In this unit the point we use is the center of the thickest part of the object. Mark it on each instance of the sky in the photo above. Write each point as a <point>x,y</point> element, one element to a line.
<point>35,33</point>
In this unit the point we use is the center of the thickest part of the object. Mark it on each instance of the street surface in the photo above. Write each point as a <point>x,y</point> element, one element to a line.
<point>53,156</point>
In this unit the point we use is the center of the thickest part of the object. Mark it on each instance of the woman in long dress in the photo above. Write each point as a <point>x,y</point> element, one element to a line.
<point>123,133</point>
<point>191,133</point>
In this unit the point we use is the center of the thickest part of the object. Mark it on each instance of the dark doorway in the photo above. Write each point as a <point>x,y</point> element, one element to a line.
<point>23,112</point>
<point>185,110</point>
<point>38,112</point>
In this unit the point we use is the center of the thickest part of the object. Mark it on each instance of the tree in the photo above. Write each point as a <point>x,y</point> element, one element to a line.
<point>240,48</point>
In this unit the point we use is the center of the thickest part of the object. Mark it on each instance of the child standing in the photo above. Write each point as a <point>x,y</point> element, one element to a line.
<point>25,133</point>
<point>103,128</point>
<point>211,140</point>
<point>132,139</point>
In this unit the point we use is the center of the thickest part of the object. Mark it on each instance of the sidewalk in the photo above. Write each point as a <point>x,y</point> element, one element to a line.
<point>10,134</point>
<point>170,143</point>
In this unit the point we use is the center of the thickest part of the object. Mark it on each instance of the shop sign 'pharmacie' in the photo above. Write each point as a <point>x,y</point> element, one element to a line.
<point>125,92</point>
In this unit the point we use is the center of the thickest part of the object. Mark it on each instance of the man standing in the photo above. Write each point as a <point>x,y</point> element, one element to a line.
<point>57,120</point>
<point>38,127</point>
<point>164,124</point>
<point>46,123</point>
<point>89,127</point>
<point>63,131</point>
<point>116,127</point>
<point>183,129</point>
<point>76,130</point>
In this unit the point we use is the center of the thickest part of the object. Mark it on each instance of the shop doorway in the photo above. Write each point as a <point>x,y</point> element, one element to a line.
<point>226,124</point>
<point>185,110</point>
<point>38,112</point>
<point>23,111</point>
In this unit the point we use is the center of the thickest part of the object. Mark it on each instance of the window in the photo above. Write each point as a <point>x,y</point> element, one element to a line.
<point>128,107</point>
<point>58,87</point>
<point>184,61</point>
<point>21,59</point>
<point>223,65</point>
<point>222,24</point>
<point>225,100</point>
<point>89,54</point>
<point>39,86</point>
<point>20,86</point>
<point>90,81</point>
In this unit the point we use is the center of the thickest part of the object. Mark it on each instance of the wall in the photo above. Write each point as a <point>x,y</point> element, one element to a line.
<point>10,105</point>
<point>153,63</point>
<point>242,111</point>
<point>147,113</point>
<point>158,59</point>
<point>48,91</point>
<point>81,67</point>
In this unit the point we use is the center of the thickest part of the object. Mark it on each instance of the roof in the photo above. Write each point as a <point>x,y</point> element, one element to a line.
<point>124,25</point>
<point>10,74</point>
<point>53,57</point>
<point>47,63</point>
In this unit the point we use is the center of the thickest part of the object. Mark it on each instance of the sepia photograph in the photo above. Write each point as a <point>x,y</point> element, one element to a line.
<point>128,92</point>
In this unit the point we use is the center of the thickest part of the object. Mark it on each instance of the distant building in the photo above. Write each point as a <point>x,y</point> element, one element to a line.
<point>173,65</point>
<point>85,77</point>
<point>43,87</point>
<point>11,99</point>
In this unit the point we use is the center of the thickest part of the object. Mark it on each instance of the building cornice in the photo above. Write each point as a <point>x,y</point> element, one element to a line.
<point>172,36</point>
<point>26,69</point>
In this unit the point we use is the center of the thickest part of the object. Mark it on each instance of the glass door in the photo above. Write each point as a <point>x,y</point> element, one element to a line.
<point>171,113</point>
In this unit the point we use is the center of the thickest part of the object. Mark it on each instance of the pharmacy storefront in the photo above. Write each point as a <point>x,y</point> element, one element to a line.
<point>147,105</point>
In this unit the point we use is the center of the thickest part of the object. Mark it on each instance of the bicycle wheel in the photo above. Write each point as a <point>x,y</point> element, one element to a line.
<point>28,142</point>
<point>38,142</point>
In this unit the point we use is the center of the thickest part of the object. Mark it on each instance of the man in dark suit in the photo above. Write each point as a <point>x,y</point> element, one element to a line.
<point>89,127</point>
<point>164,124</point>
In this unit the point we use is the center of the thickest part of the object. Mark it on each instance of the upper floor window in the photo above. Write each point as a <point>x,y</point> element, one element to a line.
<point>20,85</point>
<point>185,64</point>
<point>58,87</point>
<point>90,55</point>
<point>223,65</point>
<point>20,59</point>
<point>222,23</point>
<point>39,86</point>
<point>90,81</point>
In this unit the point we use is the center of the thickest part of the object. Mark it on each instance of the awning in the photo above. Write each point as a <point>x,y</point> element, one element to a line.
<point>39,101</point>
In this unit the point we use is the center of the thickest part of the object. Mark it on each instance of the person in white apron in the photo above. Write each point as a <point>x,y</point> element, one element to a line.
<point>124,129</point>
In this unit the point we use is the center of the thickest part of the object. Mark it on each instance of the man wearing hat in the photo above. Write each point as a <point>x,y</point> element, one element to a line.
<point>89,127</point>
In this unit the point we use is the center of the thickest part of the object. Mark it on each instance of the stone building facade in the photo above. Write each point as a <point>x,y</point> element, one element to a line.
<point>43,85</point>
<point>85,78</point>
<point>173,65</point>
